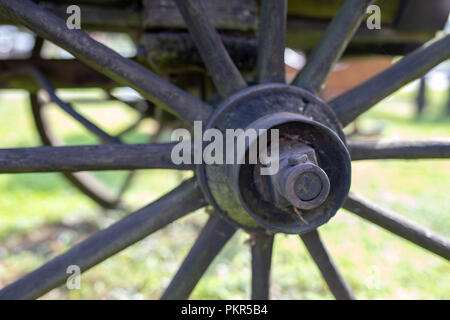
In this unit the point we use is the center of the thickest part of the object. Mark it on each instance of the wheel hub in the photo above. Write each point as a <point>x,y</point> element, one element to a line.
<point>300,182</point>
<point>312,176</point>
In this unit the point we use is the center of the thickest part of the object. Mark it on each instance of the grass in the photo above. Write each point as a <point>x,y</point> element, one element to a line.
<point>42,215</point>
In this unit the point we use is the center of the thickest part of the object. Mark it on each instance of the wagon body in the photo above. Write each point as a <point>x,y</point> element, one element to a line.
<point>165,46</point>
<point>158,27</point>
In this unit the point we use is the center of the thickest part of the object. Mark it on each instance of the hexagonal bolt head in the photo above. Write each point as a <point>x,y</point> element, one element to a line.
<point>300,182</point>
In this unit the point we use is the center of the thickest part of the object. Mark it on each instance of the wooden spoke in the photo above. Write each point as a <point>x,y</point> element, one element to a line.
<point>209,243</point>
<point>261,265</point>
<point>332,45</point>
<point>224,73</point>
<point>83,181</point>
<point>340,289</point>
<point>425,149</point>
<point>67,107</point>
<point>351,104</point>
<point>272,32</point>
<point>174,205</point>
<point>398,225</point>
<point>88,158</point>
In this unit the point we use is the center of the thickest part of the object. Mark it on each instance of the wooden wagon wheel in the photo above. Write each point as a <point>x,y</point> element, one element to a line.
<point>239,198</point>
<point>83,181</point>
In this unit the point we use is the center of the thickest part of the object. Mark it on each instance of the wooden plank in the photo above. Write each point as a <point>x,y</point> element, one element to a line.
<point>425,16</point>
<point>326,9</point>
<point>227,15</point>
<point>175,51</point>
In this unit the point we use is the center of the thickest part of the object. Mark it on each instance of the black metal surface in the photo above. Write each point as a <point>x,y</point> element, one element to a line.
<point>174,205</point>
<point>261,247</point>
<point>105,60</point>
<point>213,237</point>
<point>398,225</point>
<point>88,158</point>
<point>336,283</point>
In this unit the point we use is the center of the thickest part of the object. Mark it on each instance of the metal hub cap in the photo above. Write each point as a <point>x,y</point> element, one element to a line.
<point>305,186</point>
<point>313,176</point>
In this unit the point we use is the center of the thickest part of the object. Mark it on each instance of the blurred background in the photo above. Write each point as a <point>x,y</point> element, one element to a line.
<point>42,215</point>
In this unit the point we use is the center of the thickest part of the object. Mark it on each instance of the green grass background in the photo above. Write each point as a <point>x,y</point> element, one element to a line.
<point>42,215</point>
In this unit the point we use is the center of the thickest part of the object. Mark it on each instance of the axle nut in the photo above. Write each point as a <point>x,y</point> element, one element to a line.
<point>305,186</point>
